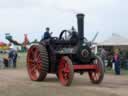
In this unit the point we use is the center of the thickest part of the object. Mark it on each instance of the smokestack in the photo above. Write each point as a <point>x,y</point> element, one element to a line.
<point>80,24</point>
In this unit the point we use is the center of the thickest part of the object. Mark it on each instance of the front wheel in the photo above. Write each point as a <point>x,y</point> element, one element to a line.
<point>65,71</point>
<point>97,75</point>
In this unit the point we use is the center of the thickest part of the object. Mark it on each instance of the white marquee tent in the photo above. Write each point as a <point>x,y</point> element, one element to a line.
<point>114,40</point>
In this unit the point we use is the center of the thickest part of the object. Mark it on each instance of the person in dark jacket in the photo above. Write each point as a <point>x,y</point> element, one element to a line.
<point>12,56</point>
<point>14,59</point>
<point>47,34</point>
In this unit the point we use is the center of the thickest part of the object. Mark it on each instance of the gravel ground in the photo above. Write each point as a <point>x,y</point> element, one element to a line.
<point>15,82</point>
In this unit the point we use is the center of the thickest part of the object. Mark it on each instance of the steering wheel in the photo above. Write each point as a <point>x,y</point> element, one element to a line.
<point>65,35</point>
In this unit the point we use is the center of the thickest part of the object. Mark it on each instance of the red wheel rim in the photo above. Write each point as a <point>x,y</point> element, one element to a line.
<point>34,62</point>
<point>95,75</point>
<point>64,71</point>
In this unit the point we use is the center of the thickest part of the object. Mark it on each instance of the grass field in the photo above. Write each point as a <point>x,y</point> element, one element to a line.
<point>21,60</point>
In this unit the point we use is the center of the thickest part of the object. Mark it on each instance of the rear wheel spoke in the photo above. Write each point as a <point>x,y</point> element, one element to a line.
<point>36,59</point>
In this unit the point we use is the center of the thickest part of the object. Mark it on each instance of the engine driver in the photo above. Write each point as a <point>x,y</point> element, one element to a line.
<point>47,34</point>
<point>74,36</point>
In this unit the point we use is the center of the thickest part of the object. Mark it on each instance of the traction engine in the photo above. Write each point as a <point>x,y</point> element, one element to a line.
<point>65,55</point>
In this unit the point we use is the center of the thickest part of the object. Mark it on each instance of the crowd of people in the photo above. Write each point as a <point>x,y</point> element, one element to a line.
<point>11,60</point>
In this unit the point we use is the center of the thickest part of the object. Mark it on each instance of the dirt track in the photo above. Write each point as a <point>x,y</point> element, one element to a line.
<point>16,83</point>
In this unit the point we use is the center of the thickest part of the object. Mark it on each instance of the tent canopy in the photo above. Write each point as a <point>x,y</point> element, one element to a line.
<point>2,44</point>
<point>114,40</point>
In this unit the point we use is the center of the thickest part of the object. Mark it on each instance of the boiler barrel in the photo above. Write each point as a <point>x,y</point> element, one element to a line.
<point>80,23</point>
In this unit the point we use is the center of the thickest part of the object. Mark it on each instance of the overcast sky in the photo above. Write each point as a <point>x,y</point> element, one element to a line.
<point>32,16</point>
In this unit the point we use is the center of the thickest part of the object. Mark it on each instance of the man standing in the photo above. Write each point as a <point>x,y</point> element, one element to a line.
<point>116,60</point>
<point>103,54</point>
<point>74,36</point>
<point>12,56</point>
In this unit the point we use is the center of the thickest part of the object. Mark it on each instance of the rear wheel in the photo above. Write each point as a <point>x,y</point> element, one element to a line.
<point>97,75</point>
<point>37,62</point>
<point>65,71</point>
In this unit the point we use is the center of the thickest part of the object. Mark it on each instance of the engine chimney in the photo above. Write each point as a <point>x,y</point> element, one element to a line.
<point>80,23</point>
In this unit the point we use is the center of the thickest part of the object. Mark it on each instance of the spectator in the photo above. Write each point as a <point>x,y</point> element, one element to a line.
<point>12,56</point>
<point>3,62</point>
<point>116,60</point>
<point>103,55</point>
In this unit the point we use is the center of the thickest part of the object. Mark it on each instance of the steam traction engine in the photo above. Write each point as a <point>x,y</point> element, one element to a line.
<point>63,56</point>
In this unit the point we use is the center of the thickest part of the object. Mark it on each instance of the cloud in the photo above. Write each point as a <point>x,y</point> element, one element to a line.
<point>24,16</point>
<point>11,3</point>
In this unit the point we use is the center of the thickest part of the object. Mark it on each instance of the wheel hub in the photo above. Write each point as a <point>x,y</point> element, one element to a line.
<point>65,71</point>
